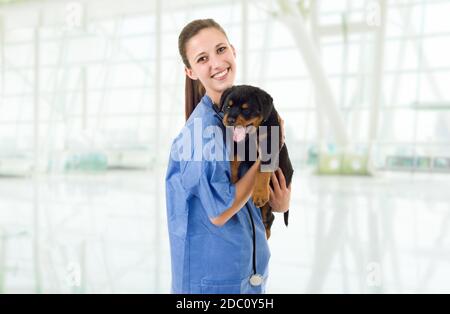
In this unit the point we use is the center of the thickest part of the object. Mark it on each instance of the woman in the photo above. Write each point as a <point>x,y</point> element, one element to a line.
<point>212,222</point>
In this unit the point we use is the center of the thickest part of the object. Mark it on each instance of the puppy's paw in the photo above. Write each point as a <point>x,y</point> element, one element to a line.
<point>261,197</point>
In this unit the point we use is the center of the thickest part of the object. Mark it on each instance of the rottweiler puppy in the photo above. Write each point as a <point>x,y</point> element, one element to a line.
<point>247,109</point>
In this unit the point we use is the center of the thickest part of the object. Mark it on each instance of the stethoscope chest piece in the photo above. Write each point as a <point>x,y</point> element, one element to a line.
<point>256,280</point>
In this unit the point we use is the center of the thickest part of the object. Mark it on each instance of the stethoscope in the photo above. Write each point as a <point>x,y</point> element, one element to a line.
<point>255,279</point>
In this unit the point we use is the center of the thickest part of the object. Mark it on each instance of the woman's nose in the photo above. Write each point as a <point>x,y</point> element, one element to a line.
<point>216,62</point>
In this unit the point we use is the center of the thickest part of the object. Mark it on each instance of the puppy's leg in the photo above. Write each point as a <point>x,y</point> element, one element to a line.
<point>261,191</point>
<point>234,170</point>
<point>267,217</point>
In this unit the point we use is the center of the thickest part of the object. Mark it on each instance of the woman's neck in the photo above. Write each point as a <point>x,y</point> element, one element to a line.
<point>215,97</point>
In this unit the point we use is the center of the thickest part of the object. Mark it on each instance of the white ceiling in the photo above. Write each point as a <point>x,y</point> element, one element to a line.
<point>54,12</point>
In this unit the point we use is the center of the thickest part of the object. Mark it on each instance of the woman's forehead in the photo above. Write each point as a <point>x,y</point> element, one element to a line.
<point>207,39</point>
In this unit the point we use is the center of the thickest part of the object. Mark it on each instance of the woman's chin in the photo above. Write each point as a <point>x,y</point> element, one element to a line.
<point>228,82</point>
<point>222,86</point>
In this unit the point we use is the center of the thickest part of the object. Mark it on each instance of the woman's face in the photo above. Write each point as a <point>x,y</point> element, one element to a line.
<point>212,61</point>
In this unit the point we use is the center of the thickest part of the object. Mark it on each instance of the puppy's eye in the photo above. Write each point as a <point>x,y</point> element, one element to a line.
<point>246,111</point>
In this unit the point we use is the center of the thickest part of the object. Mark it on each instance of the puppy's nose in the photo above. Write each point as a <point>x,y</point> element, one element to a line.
<point>231,120</point>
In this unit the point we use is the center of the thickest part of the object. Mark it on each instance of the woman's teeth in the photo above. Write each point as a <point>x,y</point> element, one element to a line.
<point>221,74</point>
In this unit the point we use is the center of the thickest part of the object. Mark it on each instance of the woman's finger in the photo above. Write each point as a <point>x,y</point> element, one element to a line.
<point>272,193</point>
<point>281,179</point>
<point>276,184</point>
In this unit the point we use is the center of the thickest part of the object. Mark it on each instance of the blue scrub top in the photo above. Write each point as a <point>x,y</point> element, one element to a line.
<point>207,258</point>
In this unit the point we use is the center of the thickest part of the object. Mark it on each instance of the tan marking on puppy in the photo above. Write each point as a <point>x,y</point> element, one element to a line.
<point>230,103</point>
<point>261,192</point>
<point>262,137</point>
<point>265,212</point>
<point>240,120</point>
<point>225,119</point>
<point>258,121</point>
<point>244,106</point>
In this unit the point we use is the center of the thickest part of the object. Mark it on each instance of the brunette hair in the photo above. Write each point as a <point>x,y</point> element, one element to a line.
<point>194,90</point>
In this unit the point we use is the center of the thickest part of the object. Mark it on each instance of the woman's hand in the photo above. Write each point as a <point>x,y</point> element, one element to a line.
<point>280,195</point>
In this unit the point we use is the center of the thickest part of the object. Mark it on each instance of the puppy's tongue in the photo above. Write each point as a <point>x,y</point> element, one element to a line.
<point>238,133</point>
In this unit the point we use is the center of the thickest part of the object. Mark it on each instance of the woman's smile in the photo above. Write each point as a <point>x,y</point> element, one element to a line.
<point>221,75</point>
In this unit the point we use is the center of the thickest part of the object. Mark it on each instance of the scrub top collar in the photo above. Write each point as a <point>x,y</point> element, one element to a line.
<point>210,103</point>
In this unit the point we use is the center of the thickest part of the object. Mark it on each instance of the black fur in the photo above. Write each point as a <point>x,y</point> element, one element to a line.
<point>260,104</point>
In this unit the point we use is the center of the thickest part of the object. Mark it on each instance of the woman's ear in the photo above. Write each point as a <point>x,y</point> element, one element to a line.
<point>190,73</point>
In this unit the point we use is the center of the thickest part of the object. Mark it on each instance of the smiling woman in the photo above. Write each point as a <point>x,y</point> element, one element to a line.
<point>212,240</point>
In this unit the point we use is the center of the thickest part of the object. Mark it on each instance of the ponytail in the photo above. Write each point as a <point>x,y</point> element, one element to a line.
<point>194,91</point>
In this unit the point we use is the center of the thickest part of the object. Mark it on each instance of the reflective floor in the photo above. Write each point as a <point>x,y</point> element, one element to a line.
<point>107,234</point>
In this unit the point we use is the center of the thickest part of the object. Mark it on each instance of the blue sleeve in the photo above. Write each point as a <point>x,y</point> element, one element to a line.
<point>210,181</point>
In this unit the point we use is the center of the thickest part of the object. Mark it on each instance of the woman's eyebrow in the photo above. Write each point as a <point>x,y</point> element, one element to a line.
<point>217,46</point>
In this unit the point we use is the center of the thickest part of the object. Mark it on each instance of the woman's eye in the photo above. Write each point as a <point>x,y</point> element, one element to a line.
<point>221,49</point>
<point>201,59</point>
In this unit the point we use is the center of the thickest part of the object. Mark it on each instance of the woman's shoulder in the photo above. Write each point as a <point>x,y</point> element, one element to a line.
<point>201,130</point>
<point>203,116</point>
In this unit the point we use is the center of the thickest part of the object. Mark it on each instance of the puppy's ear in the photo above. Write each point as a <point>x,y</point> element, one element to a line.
<point>224,97</point>
<point>265,102</point>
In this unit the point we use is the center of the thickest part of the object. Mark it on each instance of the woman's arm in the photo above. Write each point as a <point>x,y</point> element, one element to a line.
<point>244,190</point>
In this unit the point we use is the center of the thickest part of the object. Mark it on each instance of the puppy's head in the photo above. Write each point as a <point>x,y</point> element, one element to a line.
<point>245,108</point>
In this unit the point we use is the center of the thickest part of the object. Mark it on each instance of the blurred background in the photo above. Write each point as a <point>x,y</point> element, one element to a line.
<point>92,95</point>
